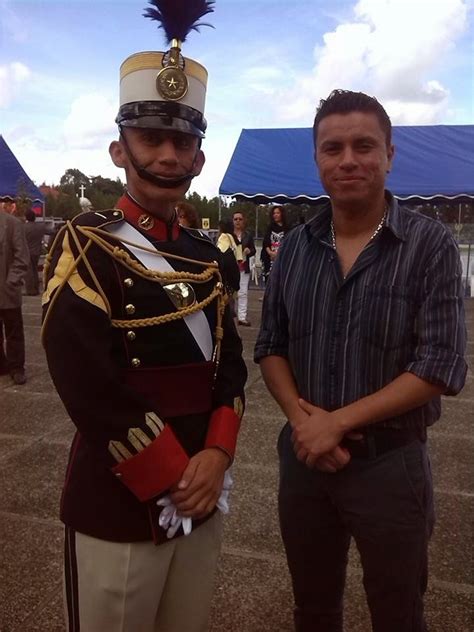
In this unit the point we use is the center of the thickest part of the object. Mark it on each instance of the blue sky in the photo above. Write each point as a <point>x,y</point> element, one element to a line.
<point>269,63</point>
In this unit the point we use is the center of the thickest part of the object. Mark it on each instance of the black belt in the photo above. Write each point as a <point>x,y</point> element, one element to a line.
<point>377,441</point>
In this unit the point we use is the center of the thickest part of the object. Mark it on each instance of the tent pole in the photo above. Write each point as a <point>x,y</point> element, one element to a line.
<point>469,281</point>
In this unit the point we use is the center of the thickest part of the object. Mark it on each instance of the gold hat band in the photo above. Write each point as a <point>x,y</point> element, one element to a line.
<point>152,60</point>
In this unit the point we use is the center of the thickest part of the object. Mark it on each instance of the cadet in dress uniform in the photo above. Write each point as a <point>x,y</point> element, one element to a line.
<point>143,351</point>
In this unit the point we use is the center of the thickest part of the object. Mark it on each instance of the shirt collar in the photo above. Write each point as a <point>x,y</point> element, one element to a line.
<point>395,220</point>
<point>319,225</point>
<point>159,229</point>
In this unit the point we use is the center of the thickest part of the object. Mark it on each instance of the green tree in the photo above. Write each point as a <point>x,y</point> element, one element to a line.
<point>205,207</point>
<point>72,180</point>
<point>62,205</point>
<point>104,192</point>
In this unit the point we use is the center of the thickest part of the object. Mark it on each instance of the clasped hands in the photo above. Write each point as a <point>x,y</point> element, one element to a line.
<point>316,438</point>
<point>204,484</point>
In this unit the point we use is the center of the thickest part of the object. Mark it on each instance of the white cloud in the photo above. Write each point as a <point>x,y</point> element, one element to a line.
<point>90,122</point>
<point>392,49</point>
<point>12,76</point>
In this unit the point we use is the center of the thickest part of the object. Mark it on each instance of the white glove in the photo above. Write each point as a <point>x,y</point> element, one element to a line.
<point>223,500</point>
<point>170,520</point>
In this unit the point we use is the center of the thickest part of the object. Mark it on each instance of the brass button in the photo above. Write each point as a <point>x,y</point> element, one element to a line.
<point>130,309</point>
<point>118,474</point>
<point>131,335</point>
<point>116,213</point>
<point>128,282</point>
<point>136,362</point>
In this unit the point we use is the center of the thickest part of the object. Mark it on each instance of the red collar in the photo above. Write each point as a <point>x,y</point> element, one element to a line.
<point>138,217</point>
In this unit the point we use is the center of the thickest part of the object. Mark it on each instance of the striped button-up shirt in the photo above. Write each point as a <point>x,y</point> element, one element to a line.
<point>399,309</point>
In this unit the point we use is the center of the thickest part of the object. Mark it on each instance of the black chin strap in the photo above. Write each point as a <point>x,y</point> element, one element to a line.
<point>159,181</point>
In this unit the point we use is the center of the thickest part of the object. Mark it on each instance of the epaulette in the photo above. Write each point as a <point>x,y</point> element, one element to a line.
<point>98,219</point>
<point>66,271</point>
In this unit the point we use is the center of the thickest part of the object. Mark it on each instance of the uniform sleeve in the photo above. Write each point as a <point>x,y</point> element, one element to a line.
<point>229,399</point>
<point>127,437</point>
<point>441,325</point>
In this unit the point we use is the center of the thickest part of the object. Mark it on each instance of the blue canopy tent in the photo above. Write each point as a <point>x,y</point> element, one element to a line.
<point>431,161</point>
<point>14,182</point>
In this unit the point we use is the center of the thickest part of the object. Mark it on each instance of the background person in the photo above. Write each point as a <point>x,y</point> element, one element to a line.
<point>362,331</point>
<point>34,232</point>
<point>14,264</point>
<point>245,250</point>
<point>147,360</point>
<point>273,238</point>
<point>9,205</point>
<point>187,215</point>
<point>228,247</point>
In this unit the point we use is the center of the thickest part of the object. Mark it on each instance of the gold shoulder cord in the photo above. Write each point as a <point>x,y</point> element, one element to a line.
<point>97,236</point>
<point>69,228</point>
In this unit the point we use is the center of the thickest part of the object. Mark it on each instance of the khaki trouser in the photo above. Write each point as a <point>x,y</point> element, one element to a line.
<point>140,587</point>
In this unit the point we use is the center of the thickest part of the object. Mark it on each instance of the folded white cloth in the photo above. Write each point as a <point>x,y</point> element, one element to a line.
<point>171,521</point>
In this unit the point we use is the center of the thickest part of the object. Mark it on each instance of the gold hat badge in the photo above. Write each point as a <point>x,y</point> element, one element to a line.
<point>177,18</point>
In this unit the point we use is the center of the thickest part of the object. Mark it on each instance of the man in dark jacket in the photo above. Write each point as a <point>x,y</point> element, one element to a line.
<point>14,261</point>
<point>144,353</point>
<point>34,232</point>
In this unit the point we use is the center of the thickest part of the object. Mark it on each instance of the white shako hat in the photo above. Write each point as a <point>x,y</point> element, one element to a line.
<point>165,90</point>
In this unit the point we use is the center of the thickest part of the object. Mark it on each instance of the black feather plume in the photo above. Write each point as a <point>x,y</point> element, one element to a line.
<point>178,17</point>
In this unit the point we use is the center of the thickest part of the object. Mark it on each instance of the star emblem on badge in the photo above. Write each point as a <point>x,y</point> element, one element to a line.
<point>172,83</point>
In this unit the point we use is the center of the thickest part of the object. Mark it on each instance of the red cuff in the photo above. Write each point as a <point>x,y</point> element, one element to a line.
<point>153,470</point>
<point>223,429</point>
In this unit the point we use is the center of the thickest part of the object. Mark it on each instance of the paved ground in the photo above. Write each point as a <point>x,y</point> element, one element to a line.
<point>253,593</point>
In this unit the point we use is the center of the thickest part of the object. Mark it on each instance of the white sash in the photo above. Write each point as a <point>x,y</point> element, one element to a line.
<point>197,323</point>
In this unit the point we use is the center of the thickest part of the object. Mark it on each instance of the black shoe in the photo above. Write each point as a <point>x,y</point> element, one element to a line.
<point>244,323</point>
<point>18,377</point>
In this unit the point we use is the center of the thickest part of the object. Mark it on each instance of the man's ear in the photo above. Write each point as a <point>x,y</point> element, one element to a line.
<point>198,163</point>
<point>117,153</point>
<point>390,155</point>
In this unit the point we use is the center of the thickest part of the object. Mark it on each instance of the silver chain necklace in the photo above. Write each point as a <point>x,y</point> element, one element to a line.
<point>374,234</point>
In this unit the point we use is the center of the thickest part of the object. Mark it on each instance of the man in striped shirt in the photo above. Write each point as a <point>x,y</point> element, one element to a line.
<point>362,331</point>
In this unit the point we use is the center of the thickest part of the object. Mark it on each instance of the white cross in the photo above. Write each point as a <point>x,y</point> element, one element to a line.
<point>82,188</point>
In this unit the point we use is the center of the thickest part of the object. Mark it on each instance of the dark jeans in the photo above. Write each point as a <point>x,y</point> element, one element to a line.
<point>386,505</point>
<point>14,358</point>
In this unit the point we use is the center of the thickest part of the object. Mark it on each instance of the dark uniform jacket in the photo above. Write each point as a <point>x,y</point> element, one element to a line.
<point>130,372</point>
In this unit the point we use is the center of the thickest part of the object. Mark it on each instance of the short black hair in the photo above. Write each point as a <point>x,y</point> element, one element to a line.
<point>346,101</point>
<point>30,215</point>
